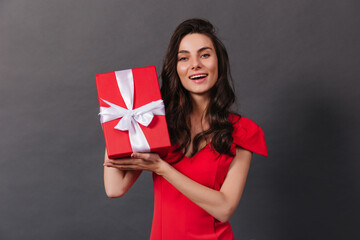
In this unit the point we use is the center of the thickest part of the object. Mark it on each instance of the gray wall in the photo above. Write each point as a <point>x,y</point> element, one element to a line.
<point>296,69</point>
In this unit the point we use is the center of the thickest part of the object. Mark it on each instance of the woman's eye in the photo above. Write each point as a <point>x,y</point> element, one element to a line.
<point>182,59</point>
<point>206,55</point>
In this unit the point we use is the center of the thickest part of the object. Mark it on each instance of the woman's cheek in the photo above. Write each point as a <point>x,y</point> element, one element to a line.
<point>182,71</point>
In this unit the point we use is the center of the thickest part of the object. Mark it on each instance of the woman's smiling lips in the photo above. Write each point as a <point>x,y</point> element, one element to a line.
<point>198,77</point>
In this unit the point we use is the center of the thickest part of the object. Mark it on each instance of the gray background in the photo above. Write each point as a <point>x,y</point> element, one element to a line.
<point>296,69</point>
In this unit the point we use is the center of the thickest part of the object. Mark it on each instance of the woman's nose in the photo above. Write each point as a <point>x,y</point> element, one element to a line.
<point>195,64</point>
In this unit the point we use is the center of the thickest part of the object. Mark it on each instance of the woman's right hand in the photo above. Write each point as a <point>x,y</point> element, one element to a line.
<point>117,182</point>
<point>107,160</point>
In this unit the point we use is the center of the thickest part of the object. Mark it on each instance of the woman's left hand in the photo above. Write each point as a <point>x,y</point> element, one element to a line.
<point>139,161</point>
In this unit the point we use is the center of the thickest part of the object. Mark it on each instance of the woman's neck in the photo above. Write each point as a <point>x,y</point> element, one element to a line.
<point>199,104</point>
<point>198,121</point>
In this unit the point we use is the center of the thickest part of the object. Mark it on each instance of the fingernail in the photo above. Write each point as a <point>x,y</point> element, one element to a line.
<point>132,155</point>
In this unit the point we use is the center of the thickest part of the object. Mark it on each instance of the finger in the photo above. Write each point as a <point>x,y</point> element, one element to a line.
<point>123,161</point>
<point>134,161</point>
<point>145,156</point>
<point>119,161</point>
<point>124,167</point>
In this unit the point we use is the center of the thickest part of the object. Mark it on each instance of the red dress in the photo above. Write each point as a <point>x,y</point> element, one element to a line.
<point>178,218</point>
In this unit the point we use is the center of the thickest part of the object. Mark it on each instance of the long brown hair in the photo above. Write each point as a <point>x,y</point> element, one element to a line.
<point>177,100</point>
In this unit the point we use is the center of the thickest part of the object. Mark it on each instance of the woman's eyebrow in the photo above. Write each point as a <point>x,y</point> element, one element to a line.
<point>200,50</point>
<point>183,51</point>
<point>204,48</point>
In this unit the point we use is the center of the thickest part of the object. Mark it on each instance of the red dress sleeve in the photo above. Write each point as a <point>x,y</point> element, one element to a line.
<point>248,135</point>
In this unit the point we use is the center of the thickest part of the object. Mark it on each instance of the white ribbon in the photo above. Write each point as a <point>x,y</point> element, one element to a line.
<point>130,118</point>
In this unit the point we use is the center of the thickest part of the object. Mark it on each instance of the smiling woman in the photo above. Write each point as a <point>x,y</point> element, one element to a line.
<point>199,183</point>
<point>197,64</point>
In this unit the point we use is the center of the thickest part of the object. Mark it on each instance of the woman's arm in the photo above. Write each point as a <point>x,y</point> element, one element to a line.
<point>117,182</point>
<point>220,204</point>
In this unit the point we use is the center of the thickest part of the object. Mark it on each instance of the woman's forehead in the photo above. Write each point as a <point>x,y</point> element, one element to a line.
<point>194,42</point>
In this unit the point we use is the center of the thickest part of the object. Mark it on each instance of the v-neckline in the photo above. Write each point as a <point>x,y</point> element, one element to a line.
<point>207,145</point>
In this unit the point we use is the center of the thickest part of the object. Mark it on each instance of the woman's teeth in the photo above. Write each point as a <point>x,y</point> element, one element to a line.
<point>199,76</point>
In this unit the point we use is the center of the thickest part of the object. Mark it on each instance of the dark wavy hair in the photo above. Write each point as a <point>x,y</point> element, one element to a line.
<point>177,99</point>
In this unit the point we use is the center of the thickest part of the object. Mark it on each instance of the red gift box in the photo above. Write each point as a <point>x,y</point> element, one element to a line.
<point>125,129</point>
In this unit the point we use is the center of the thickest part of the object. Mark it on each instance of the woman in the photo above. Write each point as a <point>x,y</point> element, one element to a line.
<point>198,185</point>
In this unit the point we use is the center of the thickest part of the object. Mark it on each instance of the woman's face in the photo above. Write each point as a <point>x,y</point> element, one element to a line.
<point>197,64</point>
